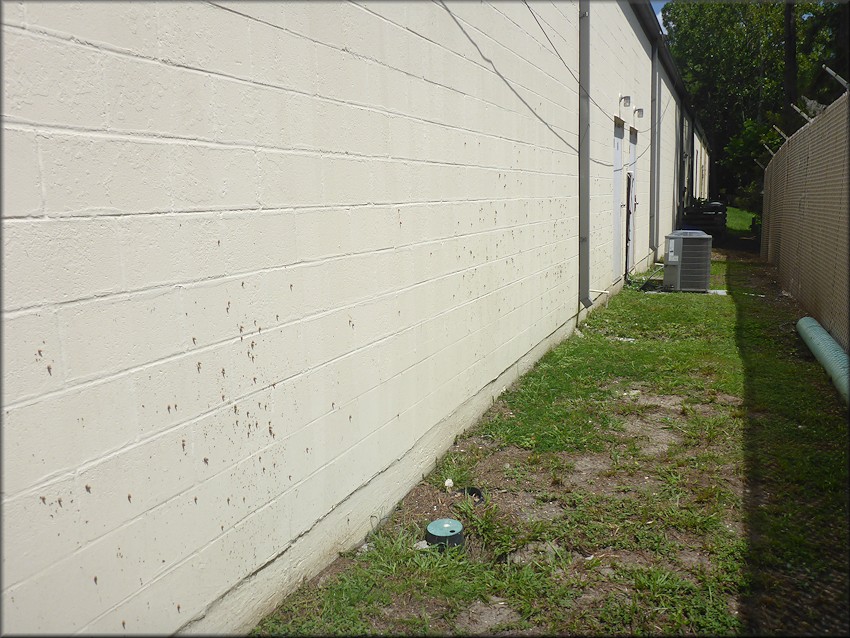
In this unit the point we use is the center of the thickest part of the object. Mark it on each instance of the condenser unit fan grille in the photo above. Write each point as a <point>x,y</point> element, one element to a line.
<point>687,264</point>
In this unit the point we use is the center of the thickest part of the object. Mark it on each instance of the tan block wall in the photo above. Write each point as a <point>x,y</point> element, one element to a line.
<point>805,222</point>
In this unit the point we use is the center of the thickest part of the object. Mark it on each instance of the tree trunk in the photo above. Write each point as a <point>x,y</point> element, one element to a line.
<point>789,117</point>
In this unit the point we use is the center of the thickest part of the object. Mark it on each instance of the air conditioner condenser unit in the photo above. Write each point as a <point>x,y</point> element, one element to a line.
<point>687,261</point>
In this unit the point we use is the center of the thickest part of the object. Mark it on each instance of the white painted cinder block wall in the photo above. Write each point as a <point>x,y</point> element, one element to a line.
<point>620,65</point>
<point>701,167</point>
<point>262,261</point>
<point>668,189</point>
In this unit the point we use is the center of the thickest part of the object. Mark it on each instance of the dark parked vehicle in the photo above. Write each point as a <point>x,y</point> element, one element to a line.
<point>709,217</point>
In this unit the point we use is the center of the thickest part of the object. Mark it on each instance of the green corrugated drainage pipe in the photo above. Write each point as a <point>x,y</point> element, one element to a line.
<point>828,353</point>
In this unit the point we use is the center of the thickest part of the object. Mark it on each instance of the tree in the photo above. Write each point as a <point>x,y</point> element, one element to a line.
<point>732,58</point>
<point>790,64</point>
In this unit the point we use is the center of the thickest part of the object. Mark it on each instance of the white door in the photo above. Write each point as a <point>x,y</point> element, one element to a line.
<point>631,199</point>
<point>617,210</point>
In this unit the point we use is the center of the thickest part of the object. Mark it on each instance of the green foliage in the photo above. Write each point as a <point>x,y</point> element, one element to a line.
<point>731,57</point>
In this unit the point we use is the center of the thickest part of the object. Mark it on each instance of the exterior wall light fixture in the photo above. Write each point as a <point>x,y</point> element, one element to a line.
<point>638,112</point>
<point>625,99</point>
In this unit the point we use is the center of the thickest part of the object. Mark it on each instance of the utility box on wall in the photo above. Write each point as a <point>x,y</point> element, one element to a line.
<point>687,261</point>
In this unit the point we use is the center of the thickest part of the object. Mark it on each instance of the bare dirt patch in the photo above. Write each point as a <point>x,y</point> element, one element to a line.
<point>621,557</point>
<point>597,474</point>
<point>479,442</point>
<point>728,399</point>
<point>647,419</point>
<point>692,559</point>
<point>524,506</point>
<point>406,615</point>
<point>506,469</point>
<point>485,618</point>
<point>651,434</point>
<point>662,402</point>
<point>538,551</point>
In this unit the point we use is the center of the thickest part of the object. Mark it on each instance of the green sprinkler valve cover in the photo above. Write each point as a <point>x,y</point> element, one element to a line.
<point>444,531</point>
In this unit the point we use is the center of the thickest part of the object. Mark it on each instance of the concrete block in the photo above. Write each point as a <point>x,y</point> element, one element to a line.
<point>263,114</point>
<point>47,81</point>
<point>330,335</point>
<point>373,227</point>
<point>165,249</point>
<point>289,179</point>
<point>399,183</point>
<point>262,359</point>
<point>79,426</point>
<point>149,97</point>
<point>22,188</point>
<point>216,311</point>
<point>267,12</point>
<point>258,240</point>
<point>339,75</point>
<point>230,553</point>
<point>194,389</point>
<point>293,17</point>
<point>75,170</point>
<point>103,337</point>
<point>43,527</point>
<point>212,177</point>
<point>350,129</point>
<point>397,92</point>
<point>234,433</point>
<point>131,482</point>
<point>340,282</point>
<point>206,37</point>
<point>32,356</point>
<point>395,11</point>
<point>323,233</point>
<point>149,549</point>
<point>281,58</point>
<point>14,13</point>
<point>50,261</point>
<point>314,394</point>
<point>225,309</point>
<point>125,25</point>
<point>357,227</point>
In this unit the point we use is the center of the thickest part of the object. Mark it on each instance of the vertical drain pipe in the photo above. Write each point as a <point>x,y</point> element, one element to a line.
<point>584,153</point>
<point>654,137</point>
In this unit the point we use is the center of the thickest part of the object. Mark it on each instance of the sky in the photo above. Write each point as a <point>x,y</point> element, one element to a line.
<point>656,7</point>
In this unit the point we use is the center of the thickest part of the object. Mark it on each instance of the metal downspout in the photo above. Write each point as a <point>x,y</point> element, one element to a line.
<point>584,154</point>
<point>653,155</point>
<point>682,181</point>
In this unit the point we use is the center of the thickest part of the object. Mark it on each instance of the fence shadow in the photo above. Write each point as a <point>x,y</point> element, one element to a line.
<point>796,463</point>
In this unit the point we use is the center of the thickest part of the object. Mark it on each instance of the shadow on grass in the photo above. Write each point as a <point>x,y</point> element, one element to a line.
<point>796,457</point>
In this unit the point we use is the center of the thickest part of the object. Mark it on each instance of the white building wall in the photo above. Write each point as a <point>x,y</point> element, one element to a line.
<point>262,261</point>
<point>700,167</point>
<point>669,154</point>
<point>620,64</point>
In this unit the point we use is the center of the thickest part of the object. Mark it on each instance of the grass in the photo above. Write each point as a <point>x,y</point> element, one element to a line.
<point>738,220</point>
<point>715,502</point>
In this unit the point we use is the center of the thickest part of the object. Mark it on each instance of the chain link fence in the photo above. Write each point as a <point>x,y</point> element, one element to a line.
<point>805,219</point>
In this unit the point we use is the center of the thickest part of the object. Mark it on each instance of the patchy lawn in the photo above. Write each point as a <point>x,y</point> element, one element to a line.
<point>679,465</point>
